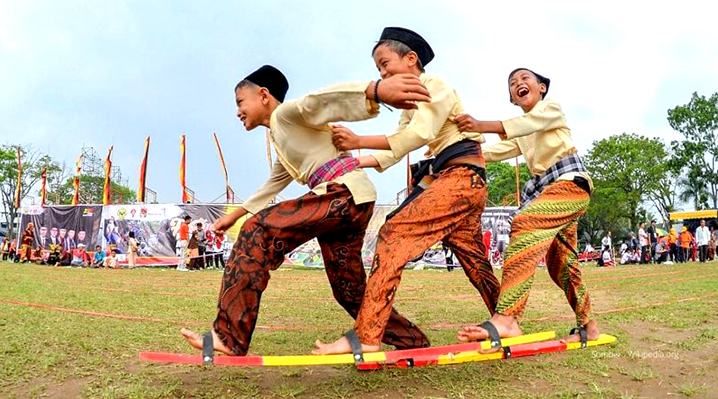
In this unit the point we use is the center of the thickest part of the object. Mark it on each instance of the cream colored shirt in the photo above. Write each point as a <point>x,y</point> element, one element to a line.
<point>302,138</point>
<point>431,124</point>
<point>541,136</point>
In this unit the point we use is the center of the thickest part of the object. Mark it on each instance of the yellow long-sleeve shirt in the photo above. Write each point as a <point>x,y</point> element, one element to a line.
<point>541,136</point>
<point>302,138</point>
<point>431,124</point>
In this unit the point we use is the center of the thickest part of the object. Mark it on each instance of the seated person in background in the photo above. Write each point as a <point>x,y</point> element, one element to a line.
<point>65,258</point>
<point>37,256</point>
<point>661,251</point>
<point>630,256</point>
<point>99,258</point>
<point>607,258</point>
<point>111,259</point>
<point>79,256</point>
<point>623,248</point>
<point>54,257</point>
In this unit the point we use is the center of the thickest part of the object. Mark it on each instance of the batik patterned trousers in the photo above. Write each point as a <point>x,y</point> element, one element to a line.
<point>546,226</point>
<point>450,210</point>
<point>264,240</point>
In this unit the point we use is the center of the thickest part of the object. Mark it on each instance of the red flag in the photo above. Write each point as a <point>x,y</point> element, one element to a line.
<point>76,181</point>
<point>18,189</point>
<point>185,197</point>
<point>143,172</point>
<point>43,189</point>
<point>230,193</point>
<point>106,188</point>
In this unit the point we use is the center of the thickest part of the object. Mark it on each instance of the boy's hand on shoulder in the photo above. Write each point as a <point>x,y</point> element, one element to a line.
<point>403,91</point>
<point>344,139</point>
<point>467,123</point>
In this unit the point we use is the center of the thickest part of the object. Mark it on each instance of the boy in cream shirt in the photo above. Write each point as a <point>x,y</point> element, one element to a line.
<point>551,204</point>
<point>336,211</point>
<point>447,198</point>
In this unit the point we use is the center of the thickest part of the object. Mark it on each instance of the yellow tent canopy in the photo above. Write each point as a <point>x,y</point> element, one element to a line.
<point>707,214</point>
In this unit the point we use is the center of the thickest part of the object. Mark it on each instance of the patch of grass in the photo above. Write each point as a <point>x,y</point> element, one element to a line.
<point>70,353</point>
<point>691,389</point>
<point>641,374</point>
<point>289,390</point>
<point>699,340</point>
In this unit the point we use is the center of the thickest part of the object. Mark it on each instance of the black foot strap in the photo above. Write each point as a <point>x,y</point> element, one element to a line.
<point>581,330</point>
<point>207,348</point>
<point>494,336</point>
<point>355,344</point>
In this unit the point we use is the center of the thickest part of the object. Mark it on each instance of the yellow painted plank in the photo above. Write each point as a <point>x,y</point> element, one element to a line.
<point>602,340</point>
<point>522,339</point>
<point>314,360</point>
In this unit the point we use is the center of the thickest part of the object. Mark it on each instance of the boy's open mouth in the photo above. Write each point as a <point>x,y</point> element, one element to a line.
<point>522,91</point>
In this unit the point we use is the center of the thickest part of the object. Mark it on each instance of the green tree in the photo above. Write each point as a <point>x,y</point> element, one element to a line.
<point>694,190</point>
<point>697,121</point>
<point>91,191</point>
<point>631,165</point>
<point>33,163</point>
<point>501,177</point>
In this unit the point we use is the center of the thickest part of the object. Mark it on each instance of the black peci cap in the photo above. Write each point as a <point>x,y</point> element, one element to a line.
<point>272,79</point>
<point>412,39</point>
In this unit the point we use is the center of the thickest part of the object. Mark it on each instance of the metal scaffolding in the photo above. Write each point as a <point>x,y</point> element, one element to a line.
<point>94,165</point>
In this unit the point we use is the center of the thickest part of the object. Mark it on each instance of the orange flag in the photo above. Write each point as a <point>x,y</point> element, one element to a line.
<point>185,197</point>
<point>106,188</point>
<point>18,189</point>
<point>43,189</point>
<point>230,193</point>
<point>76,181</point>
<point>143,172</point>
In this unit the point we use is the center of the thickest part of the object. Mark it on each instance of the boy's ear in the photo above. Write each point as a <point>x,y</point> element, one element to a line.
<point>264,94</point>
<point>412,57</point>
<point>542,89</point>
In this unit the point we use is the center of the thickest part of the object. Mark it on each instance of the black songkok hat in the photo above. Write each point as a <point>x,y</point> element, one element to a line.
<point>541,79</point>
<point>412,39</point>
<point>271,78</point>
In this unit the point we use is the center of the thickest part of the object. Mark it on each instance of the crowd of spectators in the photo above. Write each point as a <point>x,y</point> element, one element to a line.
<point>654,245</point>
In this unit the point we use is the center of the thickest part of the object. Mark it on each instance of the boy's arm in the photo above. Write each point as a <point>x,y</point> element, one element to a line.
<point>278,180</point>
<point>355,101</point>
<point>467,123</point>
<point>505,149</point>
<point>421,128</point>
<point>548,116</point>
<point>345,139</point>
<point>411,134</point>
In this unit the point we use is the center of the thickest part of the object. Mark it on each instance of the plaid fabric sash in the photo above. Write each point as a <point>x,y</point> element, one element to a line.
<point>534,187</point>
<point>331,170</point>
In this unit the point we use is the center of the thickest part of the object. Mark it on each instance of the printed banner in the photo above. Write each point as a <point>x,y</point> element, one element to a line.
<point>156,228</point>
<point>64,225</point>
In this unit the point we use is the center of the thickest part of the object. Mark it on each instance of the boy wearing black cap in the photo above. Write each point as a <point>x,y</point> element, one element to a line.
<point>336,211</point>
<point>447,198</point>
<point>551,204</point>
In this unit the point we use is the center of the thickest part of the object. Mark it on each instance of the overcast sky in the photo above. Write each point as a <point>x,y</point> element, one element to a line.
<point>76,73</point>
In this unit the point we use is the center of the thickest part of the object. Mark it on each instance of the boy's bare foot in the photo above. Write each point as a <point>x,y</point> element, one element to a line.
<point>507,327</point>
<point>195,340</point>
<point>340,346</point>
<point>592,332</point>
